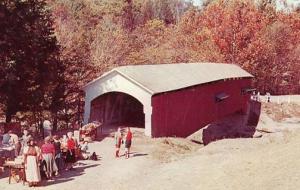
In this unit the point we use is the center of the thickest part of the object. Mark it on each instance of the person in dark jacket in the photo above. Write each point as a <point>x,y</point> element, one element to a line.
<point>58,153</point>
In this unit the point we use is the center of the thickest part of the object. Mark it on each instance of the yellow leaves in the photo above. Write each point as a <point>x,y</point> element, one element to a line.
<point>110,45</point>
<point>151,44</point>
<point>155,28</point>
<point>204,34</point>
<point>240,31</point>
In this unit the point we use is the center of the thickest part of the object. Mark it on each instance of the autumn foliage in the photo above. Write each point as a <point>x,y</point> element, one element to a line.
<point>94,36</point>
<point>256,36</point>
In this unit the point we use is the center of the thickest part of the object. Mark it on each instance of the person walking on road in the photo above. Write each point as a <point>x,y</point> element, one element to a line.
<point>118,142</point>
<point>128,142</point>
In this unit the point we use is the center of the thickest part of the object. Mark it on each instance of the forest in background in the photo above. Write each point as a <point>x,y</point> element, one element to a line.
<point>51,48</point>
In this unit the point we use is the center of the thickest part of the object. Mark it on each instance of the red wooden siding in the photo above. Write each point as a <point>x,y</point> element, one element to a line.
<point>181,113</point>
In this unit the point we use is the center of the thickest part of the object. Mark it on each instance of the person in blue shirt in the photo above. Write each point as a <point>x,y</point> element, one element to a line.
<point>6,139</point>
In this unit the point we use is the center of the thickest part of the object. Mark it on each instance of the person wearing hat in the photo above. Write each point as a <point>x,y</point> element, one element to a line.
<point>32,170</point>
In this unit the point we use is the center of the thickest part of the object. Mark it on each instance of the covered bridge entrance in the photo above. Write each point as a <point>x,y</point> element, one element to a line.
<point>117,108</point>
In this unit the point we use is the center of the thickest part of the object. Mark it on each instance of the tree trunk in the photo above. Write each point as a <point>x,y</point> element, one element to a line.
<point>11,109</point>
<point>78,107</point>
<point>55,121</point>
<point>8,117</point>
<point>41,128</point>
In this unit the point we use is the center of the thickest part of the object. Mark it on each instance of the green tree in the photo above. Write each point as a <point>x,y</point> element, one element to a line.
<point>29,56</point>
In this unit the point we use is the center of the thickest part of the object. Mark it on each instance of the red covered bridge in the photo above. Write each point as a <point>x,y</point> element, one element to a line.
<point>167,99</point>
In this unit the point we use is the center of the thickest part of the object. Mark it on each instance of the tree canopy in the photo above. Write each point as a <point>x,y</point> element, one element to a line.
<point>50,49</point>
<point>29,57</point>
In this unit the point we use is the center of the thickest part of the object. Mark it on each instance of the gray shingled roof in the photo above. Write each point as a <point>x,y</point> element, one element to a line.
<point>167,77</point>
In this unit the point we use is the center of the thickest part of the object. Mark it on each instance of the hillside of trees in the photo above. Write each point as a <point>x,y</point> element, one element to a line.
<point>51,48</point>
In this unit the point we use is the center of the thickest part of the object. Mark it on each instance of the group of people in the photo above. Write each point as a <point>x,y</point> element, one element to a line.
<point>257,96</point>
<point>119,141</point>
<point>54,155</point>
<point>47,158</point>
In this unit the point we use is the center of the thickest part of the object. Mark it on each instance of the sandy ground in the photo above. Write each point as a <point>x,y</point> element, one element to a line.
<point>270,162</point>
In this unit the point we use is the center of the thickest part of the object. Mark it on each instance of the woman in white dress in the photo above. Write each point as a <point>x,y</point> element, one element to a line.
<point>32,170</point>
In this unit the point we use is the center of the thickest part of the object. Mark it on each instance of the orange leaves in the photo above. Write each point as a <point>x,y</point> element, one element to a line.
<point>150,43</point>
<point>109,33</point>
<point>261,40</point>
<point>110,45</point>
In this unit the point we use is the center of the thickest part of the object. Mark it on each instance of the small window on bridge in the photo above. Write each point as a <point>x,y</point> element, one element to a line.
<point>221,97</point>
<point>247,90</point>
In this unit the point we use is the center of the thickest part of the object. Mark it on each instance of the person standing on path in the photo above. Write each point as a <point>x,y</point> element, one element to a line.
<point>14,140</point>
<point>48,153</point>
<point>25,139</point>
<point>118,142</point>
<point>47,128</point>
<point>32,170</point>
<point>58,155</point>
<point>128,141</point>
<point>71,146</point>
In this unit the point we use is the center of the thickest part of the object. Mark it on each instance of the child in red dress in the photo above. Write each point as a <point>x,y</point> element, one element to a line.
<point>128,142</point>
